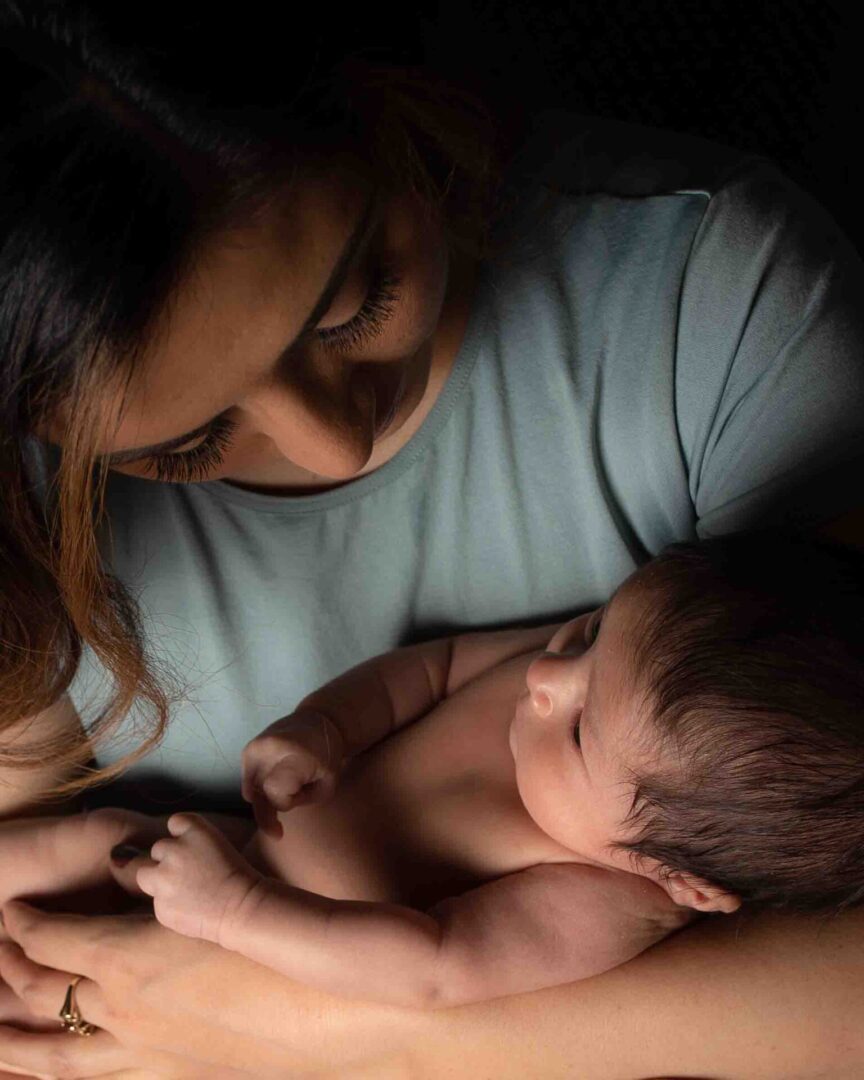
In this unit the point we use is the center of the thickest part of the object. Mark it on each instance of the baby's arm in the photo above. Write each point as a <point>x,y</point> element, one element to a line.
<point>550,924</point>
<point>379,696</point>
<point>297,759</point>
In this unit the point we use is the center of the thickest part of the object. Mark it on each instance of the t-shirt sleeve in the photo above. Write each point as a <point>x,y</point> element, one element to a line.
<point>769,376</point>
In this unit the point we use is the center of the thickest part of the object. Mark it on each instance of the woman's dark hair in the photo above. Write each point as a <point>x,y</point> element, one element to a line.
<point>750,654</point>
<point>129,135</point>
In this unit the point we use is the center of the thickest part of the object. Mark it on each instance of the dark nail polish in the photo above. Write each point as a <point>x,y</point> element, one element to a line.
<point>123,853</point>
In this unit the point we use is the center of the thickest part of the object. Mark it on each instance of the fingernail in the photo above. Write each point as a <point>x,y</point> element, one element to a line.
<point>123,853</point>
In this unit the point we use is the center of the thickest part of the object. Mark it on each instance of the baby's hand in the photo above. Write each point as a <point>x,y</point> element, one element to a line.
<point>198,881</point>
<point>293,762</point>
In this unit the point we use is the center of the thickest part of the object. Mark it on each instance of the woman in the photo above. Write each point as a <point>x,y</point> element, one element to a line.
<point>338,386</point>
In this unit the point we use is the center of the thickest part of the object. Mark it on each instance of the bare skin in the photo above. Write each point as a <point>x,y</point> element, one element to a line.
<point>307,413</point>
<point>474,857</point>
<point>790,990</point>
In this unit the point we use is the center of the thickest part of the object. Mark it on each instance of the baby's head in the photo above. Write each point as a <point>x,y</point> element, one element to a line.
<point>719,702</point>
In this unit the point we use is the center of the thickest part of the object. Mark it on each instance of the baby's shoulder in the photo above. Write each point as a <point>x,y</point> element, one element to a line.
<point>620,894</point>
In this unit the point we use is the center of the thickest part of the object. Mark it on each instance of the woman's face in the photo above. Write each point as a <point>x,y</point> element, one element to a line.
<point>299,405</point>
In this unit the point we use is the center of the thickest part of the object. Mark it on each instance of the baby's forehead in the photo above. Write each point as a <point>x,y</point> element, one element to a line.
<point>624,685</point>
<point>636,603</point>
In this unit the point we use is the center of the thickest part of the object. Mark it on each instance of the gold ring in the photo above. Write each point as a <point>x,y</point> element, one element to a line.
<point>70,1018</point>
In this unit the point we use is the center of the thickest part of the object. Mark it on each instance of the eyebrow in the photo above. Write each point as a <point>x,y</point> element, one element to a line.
<point>367,221</point>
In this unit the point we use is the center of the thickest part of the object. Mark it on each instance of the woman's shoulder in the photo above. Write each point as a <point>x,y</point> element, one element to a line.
<point>746,196</point>
<point>580,154</point>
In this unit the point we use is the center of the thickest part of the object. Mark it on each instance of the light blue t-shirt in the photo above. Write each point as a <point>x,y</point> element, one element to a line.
<point>672,347</point>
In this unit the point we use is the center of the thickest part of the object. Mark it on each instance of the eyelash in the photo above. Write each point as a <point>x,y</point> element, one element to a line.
<point>593,627</point>
<point>377,309</point>
<point>195,464</point>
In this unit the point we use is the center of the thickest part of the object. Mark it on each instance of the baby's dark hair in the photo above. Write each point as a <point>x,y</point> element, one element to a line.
<point>750,655</point>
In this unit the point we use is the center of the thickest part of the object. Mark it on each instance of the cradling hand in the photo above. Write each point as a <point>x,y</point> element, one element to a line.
<point>295,761</point>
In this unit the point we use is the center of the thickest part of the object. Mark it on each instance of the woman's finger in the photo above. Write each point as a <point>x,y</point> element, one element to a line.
<point>58,941</point>
<point>43,990</point>
<point>8,1072</point>
<point>14,1011</point>
<point>69,854</point>
<point>125,864</point>
<point>63,1055</point>
<point>61,940</point>
<point>52,1057</point>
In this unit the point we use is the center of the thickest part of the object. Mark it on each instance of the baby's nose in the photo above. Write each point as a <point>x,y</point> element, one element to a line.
<point>558,682</point>
<point>544,674</point>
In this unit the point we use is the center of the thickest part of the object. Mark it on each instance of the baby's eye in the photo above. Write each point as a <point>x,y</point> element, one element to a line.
<point>592,628</point>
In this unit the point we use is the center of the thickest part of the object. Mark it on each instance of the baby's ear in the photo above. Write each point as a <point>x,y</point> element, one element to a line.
<point>687,890</point>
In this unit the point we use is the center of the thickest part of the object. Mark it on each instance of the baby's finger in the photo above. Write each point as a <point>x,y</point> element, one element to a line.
<point>266,817</point>
<point>247,788</point>
<point>288,777</point>
<point>254,763</point>
<point>319,791</point>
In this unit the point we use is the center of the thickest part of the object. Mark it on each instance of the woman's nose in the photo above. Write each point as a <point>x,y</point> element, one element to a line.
<point>322,423</point>
<point>557,683</point>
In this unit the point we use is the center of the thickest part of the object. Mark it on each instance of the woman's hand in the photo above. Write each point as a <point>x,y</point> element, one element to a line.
<point>47,858</point>
<point>127,1001</point>
<point>65,860</point>
<point>152,992</point>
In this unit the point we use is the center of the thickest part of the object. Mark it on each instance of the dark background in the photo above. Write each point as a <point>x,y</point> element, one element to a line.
<point>781,77</point>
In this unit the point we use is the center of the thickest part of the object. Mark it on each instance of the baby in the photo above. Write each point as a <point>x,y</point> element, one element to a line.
<point>695,744</point>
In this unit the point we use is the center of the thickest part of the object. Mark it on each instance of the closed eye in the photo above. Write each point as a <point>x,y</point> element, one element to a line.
<point>577,730</point>
<point>592,627</point>
<point>194,464</point>
<point>378,307</point>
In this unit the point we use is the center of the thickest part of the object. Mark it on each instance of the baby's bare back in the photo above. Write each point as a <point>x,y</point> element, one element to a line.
<point>427,813</point>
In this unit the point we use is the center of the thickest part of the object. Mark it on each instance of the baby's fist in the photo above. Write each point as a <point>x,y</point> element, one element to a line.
<point>294,761</point>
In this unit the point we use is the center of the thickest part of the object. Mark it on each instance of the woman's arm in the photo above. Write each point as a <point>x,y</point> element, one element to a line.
<point>754,998</point>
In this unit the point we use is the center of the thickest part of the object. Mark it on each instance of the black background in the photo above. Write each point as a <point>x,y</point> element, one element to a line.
<point>781,77</point>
